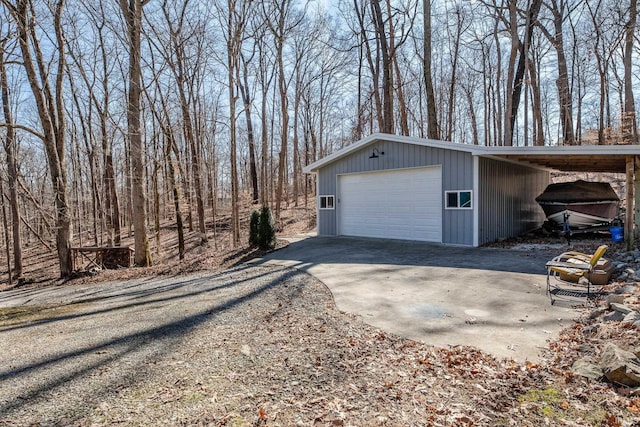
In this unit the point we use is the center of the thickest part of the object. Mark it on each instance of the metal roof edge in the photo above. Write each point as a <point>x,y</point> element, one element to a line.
<point>514,162</point>
<point>581,150</point>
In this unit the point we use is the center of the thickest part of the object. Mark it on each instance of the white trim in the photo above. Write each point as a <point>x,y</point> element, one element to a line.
<point>458,207</point>
<point>333,205</point>
<point>476,210</point>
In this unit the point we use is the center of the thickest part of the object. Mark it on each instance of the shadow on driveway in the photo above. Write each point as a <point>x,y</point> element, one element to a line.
<point>490,298</point>
<point>338,250</point>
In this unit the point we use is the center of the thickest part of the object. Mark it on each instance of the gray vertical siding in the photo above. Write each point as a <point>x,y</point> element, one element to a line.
<point>457,167</point>
<point>507,199</point>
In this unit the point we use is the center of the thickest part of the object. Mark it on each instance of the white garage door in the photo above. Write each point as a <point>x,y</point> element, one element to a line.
<point>398,204</point>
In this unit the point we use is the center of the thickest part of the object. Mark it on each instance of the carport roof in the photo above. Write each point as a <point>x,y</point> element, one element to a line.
<point>582,158</point>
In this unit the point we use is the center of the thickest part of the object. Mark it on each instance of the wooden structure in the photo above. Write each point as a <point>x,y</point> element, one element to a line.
<point>86,257</point>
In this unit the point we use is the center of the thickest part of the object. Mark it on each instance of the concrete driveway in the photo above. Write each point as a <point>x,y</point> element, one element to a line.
<point>493,299</point>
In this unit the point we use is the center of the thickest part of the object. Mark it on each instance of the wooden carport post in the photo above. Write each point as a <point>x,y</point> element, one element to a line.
<point>629,231</point>
<point>636,201</point>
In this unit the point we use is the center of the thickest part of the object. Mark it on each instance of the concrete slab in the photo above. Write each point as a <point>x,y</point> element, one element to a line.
<point>493,299</point>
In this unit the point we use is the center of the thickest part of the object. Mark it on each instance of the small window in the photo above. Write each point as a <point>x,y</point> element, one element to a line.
<point>327,202</point>
<point>458,199</point>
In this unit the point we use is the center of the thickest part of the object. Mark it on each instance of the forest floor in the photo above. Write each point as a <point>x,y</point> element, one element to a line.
<point>286,358</point>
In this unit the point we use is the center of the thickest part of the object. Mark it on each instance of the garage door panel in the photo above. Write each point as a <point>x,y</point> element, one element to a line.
<point>401,204</point>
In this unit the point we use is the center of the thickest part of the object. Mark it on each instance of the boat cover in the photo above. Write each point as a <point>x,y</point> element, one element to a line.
<point>578,191</point>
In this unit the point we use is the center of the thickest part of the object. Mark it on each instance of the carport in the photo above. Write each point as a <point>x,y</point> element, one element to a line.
<point>622,159</point>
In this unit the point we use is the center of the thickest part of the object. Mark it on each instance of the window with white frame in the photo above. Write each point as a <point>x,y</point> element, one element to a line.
<point>327,202</point>
<point>460,199</point>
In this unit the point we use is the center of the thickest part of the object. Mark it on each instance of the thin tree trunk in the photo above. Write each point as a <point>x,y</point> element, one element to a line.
<point>373,65</point>
<point>387,77</point>
<point>433,130</point>
<point>233,48</point>
<point>246,98</point>
<point>284,111</point>
<point>509,119</point>
<point>562,83</point>
<point>532,17</point>
<point>629,128</point>
<point>12,170</point>
<point>538,125</point>
<point>180,74</point>
<point>7,244</point>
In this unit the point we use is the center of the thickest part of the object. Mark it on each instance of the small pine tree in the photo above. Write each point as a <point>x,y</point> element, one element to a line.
<point>254,228</point>
<point>266,229</point>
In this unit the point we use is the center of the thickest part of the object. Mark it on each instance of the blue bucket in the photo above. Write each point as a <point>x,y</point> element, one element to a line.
<point>617,234</point>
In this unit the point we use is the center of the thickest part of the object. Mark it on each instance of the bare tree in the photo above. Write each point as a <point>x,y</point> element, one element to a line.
<point>281,19</point>
<point>629,127</point>
<point>132,12</point>
<point>559,10</point>
<point>10,148</point>
<point>243,86</point>
<point>433,129</point>
<point>179,67</point>
<point>387,77</point>
<point>50,107</point>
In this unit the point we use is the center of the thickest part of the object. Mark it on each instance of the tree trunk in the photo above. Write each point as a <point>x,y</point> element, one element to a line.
<point>454,70</point>
<point>564,91</point>
<point>235,24</point>
<point>279,34</point>
<point>7,245</point>
<point>433,130</point>
<point>132,11</point>
<point>246,98</point>
<point>178,67</point>
<point>532,17</point>
<point>12,171</point>
<point>509,119</point>
<point>538,129</point>
<point>169,142</point>
<point>374,66</point>
<point>562,83</point>
<point>387,78</point>
<point>402,105</point>
<point>629,128</point>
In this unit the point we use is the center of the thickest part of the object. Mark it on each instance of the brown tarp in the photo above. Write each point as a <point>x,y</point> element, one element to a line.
<point>578,191</point>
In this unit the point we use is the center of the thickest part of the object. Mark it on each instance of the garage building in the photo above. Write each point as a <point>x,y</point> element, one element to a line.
<point>398,187</point>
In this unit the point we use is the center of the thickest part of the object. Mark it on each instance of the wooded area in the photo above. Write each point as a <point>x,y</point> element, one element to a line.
<point>120,116</point>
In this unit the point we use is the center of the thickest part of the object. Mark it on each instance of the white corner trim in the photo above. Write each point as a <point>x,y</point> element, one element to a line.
<point>475,201</point>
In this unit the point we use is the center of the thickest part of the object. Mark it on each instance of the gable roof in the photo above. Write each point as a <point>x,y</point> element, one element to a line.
<point>574,158</point>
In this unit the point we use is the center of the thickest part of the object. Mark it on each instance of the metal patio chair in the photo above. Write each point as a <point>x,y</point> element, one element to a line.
<point>570,273</point>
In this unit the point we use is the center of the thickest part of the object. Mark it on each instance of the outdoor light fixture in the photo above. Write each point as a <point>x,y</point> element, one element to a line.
<point>375,153</point>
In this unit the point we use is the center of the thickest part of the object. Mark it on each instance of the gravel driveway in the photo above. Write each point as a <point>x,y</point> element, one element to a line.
<point>68,352</point>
